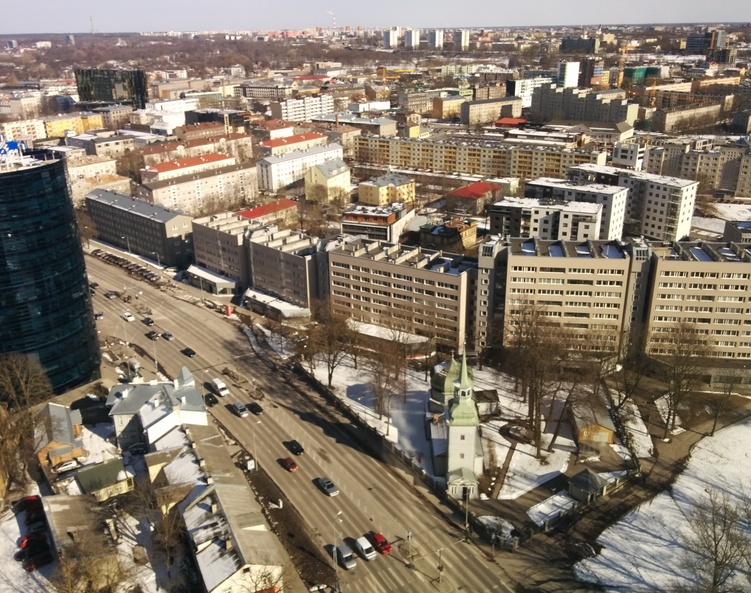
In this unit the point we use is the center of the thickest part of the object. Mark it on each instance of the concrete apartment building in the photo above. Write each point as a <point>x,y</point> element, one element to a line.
<point>685,117</point>
<point>219,245</point>
<point>105,144</point>
<point>199,130</point>
<point>207,191</point>
<point>448,107</point>
<point>188,166</point>
<point>26,130</point>
<point>737,231</point>
<point>420,292</point>
<point>386,189</point>
<point>284,264</point>
<point>114,117</point>
<point>553,102</point>
<point>273,128</point>
<point>239,146</point>
<point>490,110</point>
<point>379,126</point>
<point>658,207</point>
<point>435,39</point>
<point>381,223</point>
<point>473,157</point>
<point>303,141</point>
<point>88,173</point>
<point>706,285</point>
<point>273,91</point>
<point>304,109</point>
<point>545,219</point>
<point>162,235</point>
<point>461,40</point>
<point>276,172</point>
<point>412,38</point>
<point>58,126</point>
<point>612,198</point>
<point>524,88</point>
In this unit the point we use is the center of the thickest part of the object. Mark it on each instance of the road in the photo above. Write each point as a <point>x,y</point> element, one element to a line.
<point>372,497</point>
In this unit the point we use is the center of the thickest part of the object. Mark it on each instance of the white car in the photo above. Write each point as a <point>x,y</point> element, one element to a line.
<point>65,466</point>
<point>128,316</point>
<point>365,548</point>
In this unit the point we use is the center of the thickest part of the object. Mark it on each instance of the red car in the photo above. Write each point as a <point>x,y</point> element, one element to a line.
<point>27,503</point>
<point>289,464</point>
<point>43,558</point>
<point>32,538</point>
<point>381,543</point>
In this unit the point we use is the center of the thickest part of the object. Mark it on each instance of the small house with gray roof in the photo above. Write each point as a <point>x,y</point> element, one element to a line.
<point>61,436</point>
<point>143,413</point>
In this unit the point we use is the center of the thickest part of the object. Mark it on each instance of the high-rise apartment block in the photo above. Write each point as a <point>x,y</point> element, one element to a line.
<point>412,38</point>
<point>568,74</point>
<point>435,39</point>
<point>461,40</point>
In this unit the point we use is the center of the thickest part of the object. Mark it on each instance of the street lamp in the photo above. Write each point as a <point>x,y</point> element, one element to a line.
<point>255,459</point>
<point>336,561</point>
<point>158,261</point>
<point>127,240</point>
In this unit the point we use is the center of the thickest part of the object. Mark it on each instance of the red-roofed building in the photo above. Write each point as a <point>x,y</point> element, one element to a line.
<point>186,166</point>
<point>283,211</point>
<point>273,128</point>
<point>304,141</point>
<point>472,198</point>
<point>239,146</point>
<point>511,122</point>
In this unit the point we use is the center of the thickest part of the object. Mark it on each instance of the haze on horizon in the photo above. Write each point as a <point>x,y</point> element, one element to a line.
<point>45,16</point>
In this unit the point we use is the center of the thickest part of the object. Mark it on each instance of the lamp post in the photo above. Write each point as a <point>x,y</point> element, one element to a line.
<point>255,459</point>
<point>127,241</point>
<point>158,261</point>
<point>338,588</point>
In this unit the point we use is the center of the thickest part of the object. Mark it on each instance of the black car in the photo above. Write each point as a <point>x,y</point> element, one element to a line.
<point>94,285</point>
<point>189,352</point>
<point>210,400</point>
<point>153,335</point>
<point>255,408</point>
<point>295,448</point>
<point>148,321</point>
<point>31,551</point>
<point>98,314</point>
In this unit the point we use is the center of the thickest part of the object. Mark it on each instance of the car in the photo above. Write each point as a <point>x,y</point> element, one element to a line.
<point>210,400</point>
<point>381,544</point>
<point>111,294</point>
<point>99,315</point>
<point>32,516</point>
<point>92,292</point>
<point>31,551</point>
<point>30,539</point>
<point>43,558</point>
<point>240,409</point>
<point>65,466</point>
<point>148,321</point>
<point>168,336</point>
<point>328,486</point>
<point>38,527</point>
<point>94,285</point>
<point>295,447</point>
<point>364,548</point>
<point>289,464</point>
<point>189,352</point>
<point>27,503</point>
<point>128,316</point>
<point>153,335</point>
<point>138,448</point>
<point>255,408</point>
<point>345,556</point>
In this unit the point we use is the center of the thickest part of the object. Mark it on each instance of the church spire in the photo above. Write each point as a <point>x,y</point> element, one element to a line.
<point>464,381</point>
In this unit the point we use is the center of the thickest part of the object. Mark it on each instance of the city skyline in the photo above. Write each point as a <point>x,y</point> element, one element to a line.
<point>190,15</point>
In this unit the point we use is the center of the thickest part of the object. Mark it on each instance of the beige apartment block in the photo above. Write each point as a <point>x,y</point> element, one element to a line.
<point>218,243</point>
<point>490,110</point>
<point>474,157</point>
<point>387,189</point>
<point>706,285</point>
<point>417,291</point>
<point>26,130</point>
<point>447,107</point>
<point>186,166</point>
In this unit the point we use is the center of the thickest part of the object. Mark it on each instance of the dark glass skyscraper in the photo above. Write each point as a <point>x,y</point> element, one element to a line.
<point>119,86</point>
<point>45,307</point>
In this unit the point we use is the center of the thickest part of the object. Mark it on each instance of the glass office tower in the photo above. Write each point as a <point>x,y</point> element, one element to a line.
<point>45,306</point>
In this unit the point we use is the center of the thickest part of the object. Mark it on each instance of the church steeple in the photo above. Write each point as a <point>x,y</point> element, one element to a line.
<point>465,383</point>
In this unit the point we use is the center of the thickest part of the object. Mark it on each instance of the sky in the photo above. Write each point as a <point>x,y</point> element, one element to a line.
<point>46,16</point>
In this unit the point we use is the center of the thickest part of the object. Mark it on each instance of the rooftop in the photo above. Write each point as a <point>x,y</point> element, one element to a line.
<point>295,139</point>
<point>134,205</point>
<point>194,161</point>
<point>267,209</point>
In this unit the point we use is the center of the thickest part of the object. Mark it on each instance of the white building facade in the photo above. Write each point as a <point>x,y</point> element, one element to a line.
<point>276,172</point>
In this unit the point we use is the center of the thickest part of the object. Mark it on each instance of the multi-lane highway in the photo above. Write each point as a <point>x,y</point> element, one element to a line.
<point>371,498</point>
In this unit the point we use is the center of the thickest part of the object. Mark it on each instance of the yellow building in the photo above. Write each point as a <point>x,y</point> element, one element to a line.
<point>328,181</point>
<point>56,126</point>
<point>387,189</point>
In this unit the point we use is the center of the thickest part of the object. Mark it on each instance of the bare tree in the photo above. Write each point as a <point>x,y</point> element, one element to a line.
<point>86,227</point>
<point>719,401</point>
<point>684,352</point>
<point>717,546</point>
<point>329,339</point>
<point>23,384</point>
<point>629,374</point>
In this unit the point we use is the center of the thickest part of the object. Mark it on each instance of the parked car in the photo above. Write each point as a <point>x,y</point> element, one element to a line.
<point>289,464</point>
<point>128,316</point>
<point>381,543</point>
<point>37,527</point>
<point>328,486</point>
<point>31,551</point>
<point>27,502</point>
<point>94,285</point>
<point>43,558</point>
<point>364,548</point>
<point>255,408</point>
<point>148,321</point>
<point>30,539</point>
<point>32,516</point>
<point>99,315</point>
<point>189,352</point>
<point>153,335</point>
<point>210,400</point>
<point>168,336</point>
<point>138,448</point>
<point>110,294</point>
<point>345,556</point>
<point>295,447</point>
<point>65,466</point>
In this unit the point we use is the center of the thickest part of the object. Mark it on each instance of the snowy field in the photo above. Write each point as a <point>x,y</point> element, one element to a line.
<point>642,552</point>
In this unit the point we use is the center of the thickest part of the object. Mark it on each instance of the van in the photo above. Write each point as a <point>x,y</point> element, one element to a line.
<point>240,409</point>
<point>346,557</point>
<point>219,387</point>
